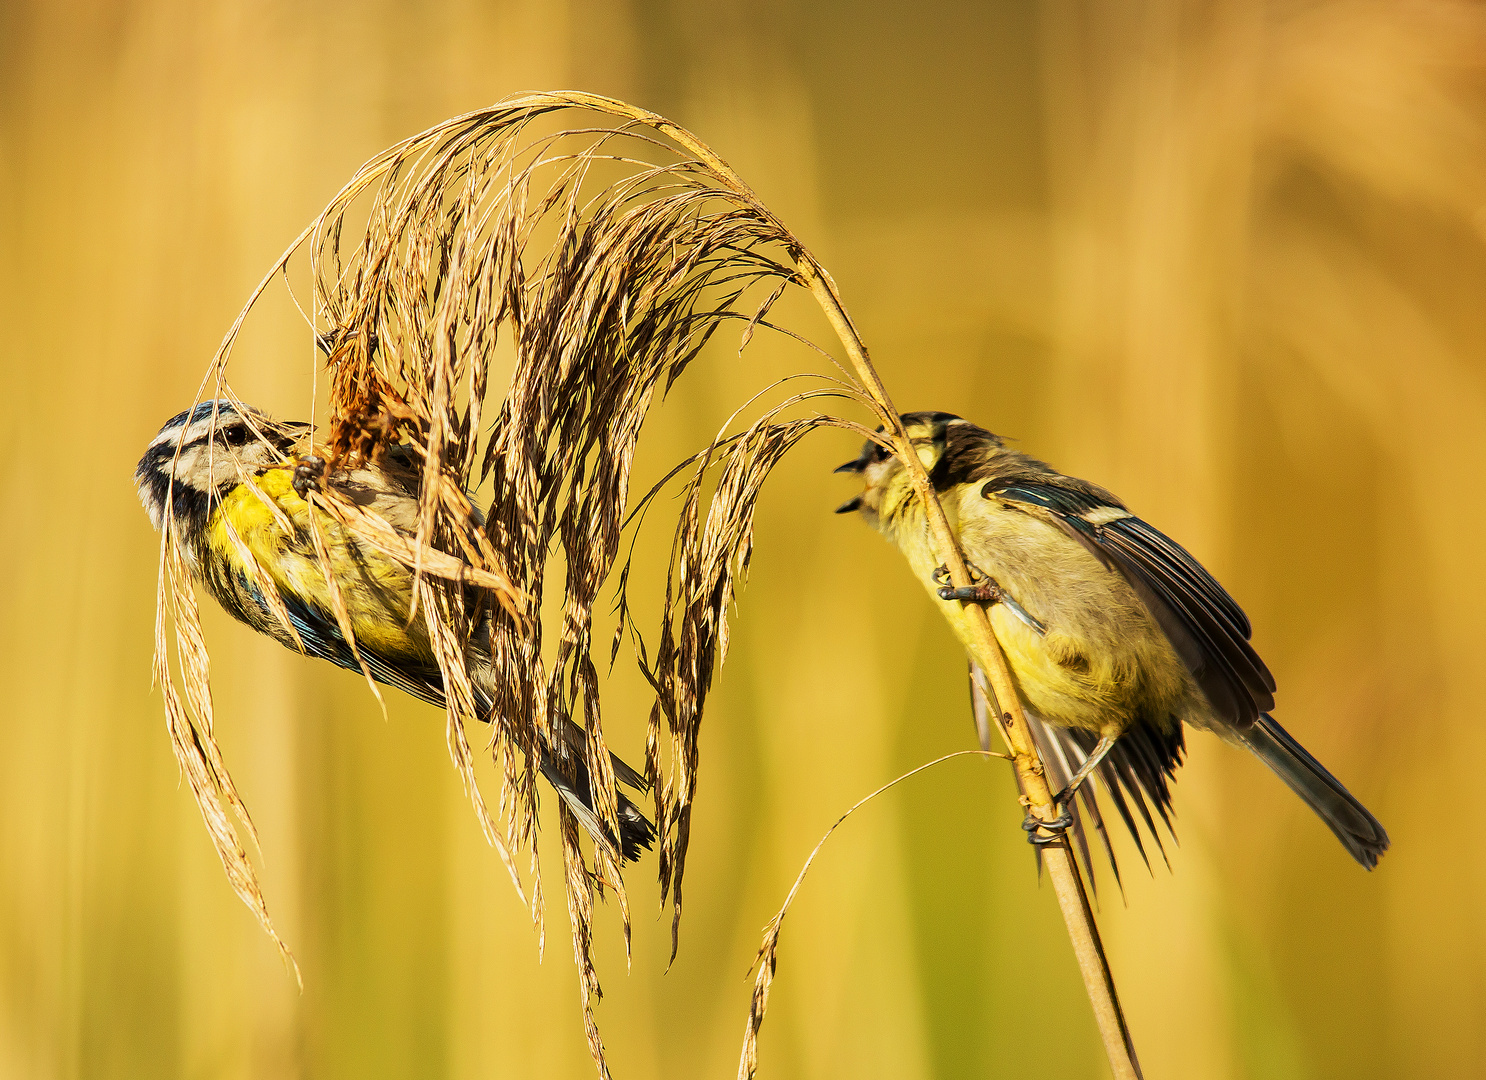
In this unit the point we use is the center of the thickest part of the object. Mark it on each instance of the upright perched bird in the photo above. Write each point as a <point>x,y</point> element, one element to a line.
<point>195,469</point>
<point>1115,636</point>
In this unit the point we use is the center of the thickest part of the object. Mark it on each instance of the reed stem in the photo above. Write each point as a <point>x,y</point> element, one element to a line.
<point>1073,900</point>
<point>1062,870</point>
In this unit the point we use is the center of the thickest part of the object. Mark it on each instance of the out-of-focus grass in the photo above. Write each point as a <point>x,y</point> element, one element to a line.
<point>1224,258</point>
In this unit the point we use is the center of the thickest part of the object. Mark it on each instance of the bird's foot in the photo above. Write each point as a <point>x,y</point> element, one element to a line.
<point>985,590</point>
<point>1041,833</point>
<point>309,475</point>
<point>941,573</point>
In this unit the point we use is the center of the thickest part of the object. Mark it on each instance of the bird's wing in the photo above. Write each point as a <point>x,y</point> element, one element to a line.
<point>1205,625</point>
<point>322,638</point>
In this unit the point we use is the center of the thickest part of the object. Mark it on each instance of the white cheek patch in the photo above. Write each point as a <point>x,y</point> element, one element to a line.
<point>203,467</point>
<point>168,435</point>
<point>876,474</point>
<point>225,467</point>
<point>184,435</point>
<point>203,429</point>
<point>151,507</point>
<point>184,466</point>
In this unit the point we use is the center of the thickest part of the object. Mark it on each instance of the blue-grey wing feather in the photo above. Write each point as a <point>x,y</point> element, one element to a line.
<point>1206,625</point>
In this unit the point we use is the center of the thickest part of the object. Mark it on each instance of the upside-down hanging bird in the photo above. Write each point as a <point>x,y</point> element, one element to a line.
<point>235,491</point>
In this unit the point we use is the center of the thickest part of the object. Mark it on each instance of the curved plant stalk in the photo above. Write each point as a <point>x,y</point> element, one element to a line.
<point>479,233</point>
<point>1063,871</point>
<point>768,953</point>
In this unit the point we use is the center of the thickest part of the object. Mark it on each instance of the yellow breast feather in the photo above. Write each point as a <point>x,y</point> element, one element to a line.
<point>1098,663</point>
<point>376,589</point>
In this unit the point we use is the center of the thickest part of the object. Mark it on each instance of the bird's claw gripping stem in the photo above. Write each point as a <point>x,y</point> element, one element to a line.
<point>309,474</point>
<point>984,591</point>
<point>987,593</point>
<point>1042,833</point>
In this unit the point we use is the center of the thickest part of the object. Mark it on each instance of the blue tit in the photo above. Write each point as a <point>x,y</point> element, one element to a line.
<point>1115,636</point>
<point>235,491</point>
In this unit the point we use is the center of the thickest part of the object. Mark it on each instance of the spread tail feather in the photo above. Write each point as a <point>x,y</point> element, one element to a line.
<point>1360,833</point>
<point>1136,772</point>
<point>635,830</point>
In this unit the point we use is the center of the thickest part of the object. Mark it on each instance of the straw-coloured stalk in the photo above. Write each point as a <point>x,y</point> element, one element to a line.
<point>602,258</point>
<point>767,959</point>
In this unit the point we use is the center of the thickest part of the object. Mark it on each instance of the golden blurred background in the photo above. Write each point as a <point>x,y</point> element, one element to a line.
<point>1224,257</point>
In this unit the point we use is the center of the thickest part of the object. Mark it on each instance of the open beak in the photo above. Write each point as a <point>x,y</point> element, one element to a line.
<point>855,465</point>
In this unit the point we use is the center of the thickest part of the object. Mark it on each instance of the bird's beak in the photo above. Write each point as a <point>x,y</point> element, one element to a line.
<point>855,465</point>
<point>285,433</point>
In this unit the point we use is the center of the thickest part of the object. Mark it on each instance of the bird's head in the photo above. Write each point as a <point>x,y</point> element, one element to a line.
<point>887,482</point>
<point>204,452</point>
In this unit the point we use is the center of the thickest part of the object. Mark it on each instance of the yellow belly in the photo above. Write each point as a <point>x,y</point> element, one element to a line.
<point>1103,663</point>
<point>376,590</point>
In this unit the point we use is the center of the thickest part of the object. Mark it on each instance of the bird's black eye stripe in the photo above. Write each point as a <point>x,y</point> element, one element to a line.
<point>232,435</point>
<point>880,452</point>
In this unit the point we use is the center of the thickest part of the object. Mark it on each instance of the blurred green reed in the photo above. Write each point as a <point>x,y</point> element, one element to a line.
<point>1224,258</point>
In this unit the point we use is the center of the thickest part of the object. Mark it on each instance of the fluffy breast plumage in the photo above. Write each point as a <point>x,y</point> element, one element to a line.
<point>260,537</point>
<point>1101,659</point>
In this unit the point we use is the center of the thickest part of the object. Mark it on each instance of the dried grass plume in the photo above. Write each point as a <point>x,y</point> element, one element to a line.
<point>602,247</point>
